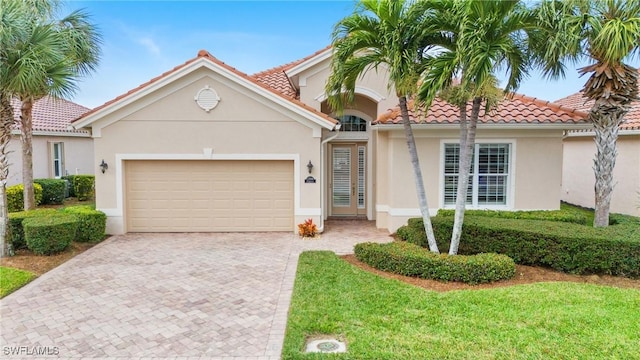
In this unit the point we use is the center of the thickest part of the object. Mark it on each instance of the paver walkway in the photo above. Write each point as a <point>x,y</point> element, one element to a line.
<point>185,296</point>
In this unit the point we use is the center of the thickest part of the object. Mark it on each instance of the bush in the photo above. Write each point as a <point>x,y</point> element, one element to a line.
<point>571,248</point>
<point>49,235</point>
<point>83,186</point>
<point>15,197</point>
<point>91,223</point>
<point>412,260</point>
<point>53,190</point>
<point>552,215</point>
<point>16,229</point>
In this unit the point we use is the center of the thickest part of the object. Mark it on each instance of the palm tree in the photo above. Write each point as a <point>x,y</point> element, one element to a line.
<point>606,32</point>
<point>478,39</point>
<point>44,56</point>
<point>382,33</point>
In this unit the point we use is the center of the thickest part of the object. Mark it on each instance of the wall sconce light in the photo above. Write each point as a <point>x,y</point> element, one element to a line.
<point>103,166</point>
<point>310,166</point>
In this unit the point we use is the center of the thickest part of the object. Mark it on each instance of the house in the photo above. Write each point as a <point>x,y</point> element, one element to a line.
<point>58,149</point>
<point>579,152</point>
<point>205,147</point>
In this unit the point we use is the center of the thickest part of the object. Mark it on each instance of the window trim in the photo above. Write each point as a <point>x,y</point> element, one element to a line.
<point>52,159</point>
<point>510,192</point>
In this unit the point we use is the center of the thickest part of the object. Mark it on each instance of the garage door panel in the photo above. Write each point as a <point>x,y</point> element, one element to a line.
<point>171,196</point>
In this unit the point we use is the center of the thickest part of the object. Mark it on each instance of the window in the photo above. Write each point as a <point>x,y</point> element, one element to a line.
<point>489,176</point>
<point>352,123</point>
<point>57,151</point>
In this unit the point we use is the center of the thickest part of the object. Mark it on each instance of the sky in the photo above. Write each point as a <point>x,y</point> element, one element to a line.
<point>143,39</point>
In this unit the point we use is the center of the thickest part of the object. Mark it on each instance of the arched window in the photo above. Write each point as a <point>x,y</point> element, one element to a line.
<point>352,123</point>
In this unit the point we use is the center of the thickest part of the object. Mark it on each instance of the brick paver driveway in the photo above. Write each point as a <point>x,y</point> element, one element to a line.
<point>168,295</point>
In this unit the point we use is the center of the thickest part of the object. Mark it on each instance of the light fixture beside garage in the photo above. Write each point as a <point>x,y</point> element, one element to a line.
<point>103,166</point>
<point>207,98</point>
<point>310,166</point>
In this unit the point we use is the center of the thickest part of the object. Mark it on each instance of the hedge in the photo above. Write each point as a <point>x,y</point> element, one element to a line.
<point>571,248</point>
<point>552,215</point>
<point>91,223</point>
<point>69,178</point>
<point>412,260</point>
<point>49,235</point>
<point>15,197</point>
<point>83,186</point>
<point>16,229</point>
<point>53,190</point>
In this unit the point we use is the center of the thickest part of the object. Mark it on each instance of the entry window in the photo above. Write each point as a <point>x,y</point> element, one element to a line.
<point>361,176</point>
<point>489,176</point>
<point>57,160</point>
<point>352,123</point>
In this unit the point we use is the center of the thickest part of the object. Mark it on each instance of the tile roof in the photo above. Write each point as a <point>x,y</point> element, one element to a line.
<point>277,79</point>
<point>577,101</point>
<point>52,115</point>
<point>514,109</point>
<point>206,55</point>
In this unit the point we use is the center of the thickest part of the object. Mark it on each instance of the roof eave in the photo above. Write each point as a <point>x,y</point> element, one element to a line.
<point>501,126</point>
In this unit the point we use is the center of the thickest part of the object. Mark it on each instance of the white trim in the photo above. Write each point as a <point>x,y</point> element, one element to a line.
<point>121,158</point>
<point>192,67</point>
<point>360,90</point>
<point>590,133</point>
<point>322,56</point>
<point>511,190</point>
<point>502,126</point>
<point>55,133</point>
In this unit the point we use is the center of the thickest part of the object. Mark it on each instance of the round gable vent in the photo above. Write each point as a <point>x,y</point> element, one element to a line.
<point>207,98</point>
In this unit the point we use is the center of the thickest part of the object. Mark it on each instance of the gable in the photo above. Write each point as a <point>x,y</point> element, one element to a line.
<point>237,87</point>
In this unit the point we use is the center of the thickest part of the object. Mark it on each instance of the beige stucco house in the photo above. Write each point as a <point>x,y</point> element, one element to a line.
<point>204,147</point>
<point>58,148</point>
<point>579,152</point>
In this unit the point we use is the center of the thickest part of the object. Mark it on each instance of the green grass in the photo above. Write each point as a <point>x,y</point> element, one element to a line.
<point>13,279</point>
<point>381,318</point>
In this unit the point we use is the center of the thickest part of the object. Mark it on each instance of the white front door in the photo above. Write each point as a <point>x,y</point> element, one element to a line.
<point>347,183</point>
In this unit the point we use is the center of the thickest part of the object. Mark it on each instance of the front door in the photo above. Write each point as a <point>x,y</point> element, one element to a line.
<point>348,179</point>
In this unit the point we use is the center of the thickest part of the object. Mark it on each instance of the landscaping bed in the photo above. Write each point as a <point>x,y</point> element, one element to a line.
<point>381,318</point>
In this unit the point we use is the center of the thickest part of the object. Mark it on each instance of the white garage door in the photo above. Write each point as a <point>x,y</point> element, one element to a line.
<point>217,195</point>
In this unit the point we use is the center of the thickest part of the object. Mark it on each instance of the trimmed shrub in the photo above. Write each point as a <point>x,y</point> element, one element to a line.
<point>16,229</point>
<point>551,215</point>
<point>566,247</point>
<point>49,235</point>
<point>15,196</point>
<point>91,223</point>
<point>53,190</point>
<point>412,260</point>
<point>83,186</point>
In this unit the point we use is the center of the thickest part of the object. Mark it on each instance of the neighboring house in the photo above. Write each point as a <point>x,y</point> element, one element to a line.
<point>578,179</point>
<point>204,147</point>
<point>58,148</point>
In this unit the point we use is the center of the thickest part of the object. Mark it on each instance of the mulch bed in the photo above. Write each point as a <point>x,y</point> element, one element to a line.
<point>524,275</point>
<point>38,264</point>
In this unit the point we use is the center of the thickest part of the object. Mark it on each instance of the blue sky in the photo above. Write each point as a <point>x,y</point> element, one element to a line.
<point>143,39</point>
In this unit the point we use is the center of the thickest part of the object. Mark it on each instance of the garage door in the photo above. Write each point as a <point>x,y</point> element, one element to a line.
<point>193,196</point>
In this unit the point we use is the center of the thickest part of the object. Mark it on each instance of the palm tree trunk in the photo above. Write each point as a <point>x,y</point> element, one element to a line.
<point>467,142</point>
<point>6,120</point>
<point>606,122</point>
<point>417,173</point>
<point>26,133</point>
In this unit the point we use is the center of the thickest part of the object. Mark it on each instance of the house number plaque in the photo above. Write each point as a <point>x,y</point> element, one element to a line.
<point>310,180</point>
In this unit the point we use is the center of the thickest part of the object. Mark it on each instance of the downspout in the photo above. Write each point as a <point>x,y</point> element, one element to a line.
<point>322,166</point>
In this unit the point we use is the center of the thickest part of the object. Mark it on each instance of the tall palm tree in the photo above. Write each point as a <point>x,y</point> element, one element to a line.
<point>479,38</point>
<point>607,33</point>
<point>44,56</point>
<point>382,33</point>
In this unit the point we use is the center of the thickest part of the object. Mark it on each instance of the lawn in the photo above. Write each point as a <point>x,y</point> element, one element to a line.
<point>381,318</point>
<point>13,279</point>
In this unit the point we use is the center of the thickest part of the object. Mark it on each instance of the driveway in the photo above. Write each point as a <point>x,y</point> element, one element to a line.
<point>196,295</point>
